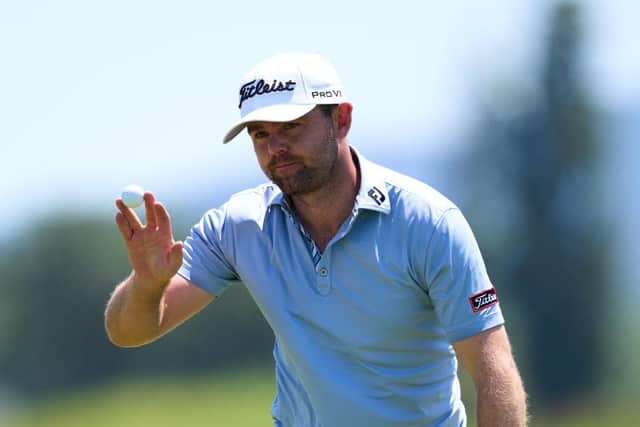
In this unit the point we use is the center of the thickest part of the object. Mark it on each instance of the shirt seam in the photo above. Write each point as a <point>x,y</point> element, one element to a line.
<point>435,227</point>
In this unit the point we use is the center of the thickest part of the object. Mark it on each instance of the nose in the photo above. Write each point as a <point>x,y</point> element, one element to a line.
<point>277,144</point>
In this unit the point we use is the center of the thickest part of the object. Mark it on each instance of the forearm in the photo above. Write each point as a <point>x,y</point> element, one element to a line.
<point>501,400</point>
<point>134,313</point>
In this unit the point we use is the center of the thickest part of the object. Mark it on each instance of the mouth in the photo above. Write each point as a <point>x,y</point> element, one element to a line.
<point>284,165</point>
<point>285,169</point>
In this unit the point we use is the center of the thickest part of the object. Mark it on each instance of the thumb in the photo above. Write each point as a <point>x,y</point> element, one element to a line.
<point>175,256</point>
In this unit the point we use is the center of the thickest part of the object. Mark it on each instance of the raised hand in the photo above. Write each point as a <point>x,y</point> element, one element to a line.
<point>153,254</point>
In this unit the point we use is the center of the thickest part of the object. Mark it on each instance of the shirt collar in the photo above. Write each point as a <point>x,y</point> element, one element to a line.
<point>372,195</point>
<point>277,197</point>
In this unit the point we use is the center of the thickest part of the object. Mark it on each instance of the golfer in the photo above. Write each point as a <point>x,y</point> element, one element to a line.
<point>372,281</point>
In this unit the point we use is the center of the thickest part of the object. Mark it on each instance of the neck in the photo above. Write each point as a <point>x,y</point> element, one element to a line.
<point>323,212</point>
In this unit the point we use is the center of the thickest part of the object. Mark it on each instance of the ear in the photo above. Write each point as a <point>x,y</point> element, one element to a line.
<point>342,119</point>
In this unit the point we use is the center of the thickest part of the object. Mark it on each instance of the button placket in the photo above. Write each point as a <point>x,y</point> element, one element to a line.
<point>323,281</point>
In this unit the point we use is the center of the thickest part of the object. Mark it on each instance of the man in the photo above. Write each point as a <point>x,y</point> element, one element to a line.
<point>371,281</point>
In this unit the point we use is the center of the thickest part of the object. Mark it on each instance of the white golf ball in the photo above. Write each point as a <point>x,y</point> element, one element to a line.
<point>132,196</point>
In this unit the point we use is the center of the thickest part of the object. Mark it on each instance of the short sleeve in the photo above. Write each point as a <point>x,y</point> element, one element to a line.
<point>204,263</point>
<point>457,282</point>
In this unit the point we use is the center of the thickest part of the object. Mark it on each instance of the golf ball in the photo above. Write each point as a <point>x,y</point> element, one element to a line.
<point>132,196</point>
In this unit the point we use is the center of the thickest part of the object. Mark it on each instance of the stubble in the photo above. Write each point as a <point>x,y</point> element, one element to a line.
<point>310,177</point>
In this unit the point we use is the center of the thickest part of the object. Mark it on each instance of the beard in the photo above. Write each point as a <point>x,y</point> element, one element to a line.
<point>307,179</point>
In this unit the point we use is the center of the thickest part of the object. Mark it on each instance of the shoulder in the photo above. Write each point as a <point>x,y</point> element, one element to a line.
<point>411,197</point>
<point>249,205</point>
<point>253,201</point>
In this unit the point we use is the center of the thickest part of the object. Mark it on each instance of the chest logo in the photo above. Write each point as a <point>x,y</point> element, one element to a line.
<point>377,195</point>
<point>483,299</point>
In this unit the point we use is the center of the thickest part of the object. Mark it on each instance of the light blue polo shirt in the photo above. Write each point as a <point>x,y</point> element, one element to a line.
<point>363,334</point>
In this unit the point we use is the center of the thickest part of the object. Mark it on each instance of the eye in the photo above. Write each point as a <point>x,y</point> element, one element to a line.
<point>290,125</point>
<point>260,134</point>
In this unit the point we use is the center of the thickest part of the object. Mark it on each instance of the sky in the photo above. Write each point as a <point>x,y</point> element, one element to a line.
<point>98,95</point>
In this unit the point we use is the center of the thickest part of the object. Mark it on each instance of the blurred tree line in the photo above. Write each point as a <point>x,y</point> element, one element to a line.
<point>56,279</point>
<point>533,202</point>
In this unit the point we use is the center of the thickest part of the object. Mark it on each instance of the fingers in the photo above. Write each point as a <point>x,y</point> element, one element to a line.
<point>149,202</point>
<point>156,217</point>
<point>129,216</point>
<point>163,218</point>
<point>123,226</point>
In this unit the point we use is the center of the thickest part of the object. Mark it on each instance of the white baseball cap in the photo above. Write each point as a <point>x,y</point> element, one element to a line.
<point>285,87</point>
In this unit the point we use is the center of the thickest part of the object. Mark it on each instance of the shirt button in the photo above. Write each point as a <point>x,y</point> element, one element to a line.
<point>323,271</point>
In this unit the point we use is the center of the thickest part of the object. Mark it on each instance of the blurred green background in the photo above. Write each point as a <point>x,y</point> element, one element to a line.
<point>545,170</point>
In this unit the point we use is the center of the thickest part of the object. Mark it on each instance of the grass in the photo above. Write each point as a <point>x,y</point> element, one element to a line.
<point>239,399</point>
<point>234,399</point>
<point>599,413</point>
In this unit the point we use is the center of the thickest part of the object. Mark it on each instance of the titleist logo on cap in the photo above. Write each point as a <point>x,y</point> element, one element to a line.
<point>259,87</point>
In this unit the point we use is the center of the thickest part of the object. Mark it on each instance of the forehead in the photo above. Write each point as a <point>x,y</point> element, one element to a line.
<point>310,116</point>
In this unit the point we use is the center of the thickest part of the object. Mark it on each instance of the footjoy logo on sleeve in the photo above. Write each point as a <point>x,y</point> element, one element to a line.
<point>484,299</point>
<point>259,87</point>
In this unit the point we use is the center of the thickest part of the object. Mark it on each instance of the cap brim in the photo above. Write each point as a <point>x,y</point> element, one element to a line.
<point>272,113</point>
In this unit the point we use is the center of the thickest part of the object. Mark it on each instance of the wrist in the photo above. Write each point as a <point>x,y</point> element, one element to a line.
<point>146,288</point>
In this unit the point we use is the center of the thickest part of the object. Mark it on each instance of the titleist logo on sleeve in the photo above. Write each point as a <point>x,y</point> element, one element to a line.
<point>484,299</point>
<point>259,87</point>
